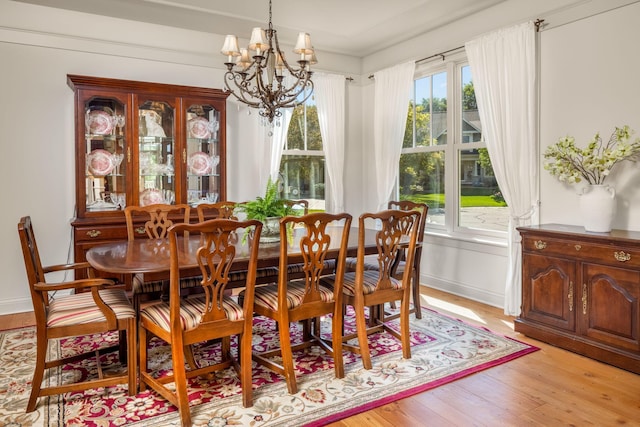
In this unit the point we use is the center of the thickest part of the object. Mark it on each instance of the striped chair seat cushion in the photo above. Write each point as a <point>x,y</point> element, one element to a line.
<point>81,308</point>
<point>369,285</point>
<point>370,263</point>
<point>267,296</point>
<point>191,310</point>
<point>329,266</point>
<point>241,276</point>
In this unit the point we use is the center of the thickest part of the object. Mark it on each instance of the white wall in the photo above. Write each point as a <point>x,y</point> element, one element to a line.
<point>39,46</point>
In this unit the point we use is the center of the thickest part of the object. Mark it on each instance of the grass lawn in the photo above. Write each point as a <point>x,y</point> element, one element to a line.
<point>467,201</point>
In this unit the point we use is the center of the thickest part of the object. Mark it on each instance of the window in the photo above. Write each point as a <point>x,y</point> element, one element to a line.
<point>444,160</point>
<point>302,168</point>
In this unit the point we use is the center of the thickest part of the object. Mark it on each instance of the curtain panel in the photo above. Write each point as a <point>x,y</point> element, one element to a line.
<point>392,88</point>
<point>330,92</point>
<point>503,65</point>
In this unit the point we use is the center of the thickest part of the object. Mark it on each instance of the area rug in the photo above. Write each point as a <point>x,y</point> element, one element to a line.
<point>443,350</point>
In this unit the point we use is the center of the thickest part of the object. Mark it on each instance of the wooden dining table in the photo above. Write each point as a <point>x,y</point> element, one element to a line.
<point>153,255</point>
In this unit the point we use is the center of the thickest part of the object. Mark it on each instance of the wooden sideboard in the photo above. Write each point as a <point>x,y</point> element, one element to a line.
<point>581,291</point>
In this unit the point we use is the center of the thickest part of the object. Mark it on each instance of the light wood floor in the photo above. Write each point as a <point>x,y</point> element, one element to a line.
<point>550,387</point>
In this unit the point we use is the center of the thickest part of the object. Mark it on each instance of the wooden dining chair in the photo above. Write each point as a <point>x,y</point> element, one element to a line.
<point>373,288</point>
<point>156,220</point>
<point>95,307</point>
<point>291,301</point>
<point>225,209</point>
<point>185,321</point>
<point>398,273</point>
<point>298,205</point>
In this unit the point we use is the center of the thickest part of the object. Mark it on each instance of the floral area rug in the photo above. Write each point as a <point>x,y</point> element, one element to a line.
<point>443,349</point>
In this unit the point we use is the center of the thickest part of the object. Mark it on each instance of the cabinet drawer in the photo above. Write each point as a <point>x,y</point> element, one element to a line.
<point>610,254</point>
<point>100,232</point>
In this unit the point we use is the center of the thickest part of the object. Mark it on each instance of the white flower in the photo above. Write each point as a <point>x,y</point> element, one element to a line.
<point>571,164</point>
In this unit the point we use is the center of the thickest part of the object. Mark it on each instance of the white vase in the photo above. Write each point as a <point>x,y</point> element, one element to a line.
<point>597,207</point>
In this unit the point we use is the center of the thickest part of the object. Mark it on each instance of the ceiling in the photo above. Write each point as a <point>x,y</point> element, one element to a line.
<point>352,27</point>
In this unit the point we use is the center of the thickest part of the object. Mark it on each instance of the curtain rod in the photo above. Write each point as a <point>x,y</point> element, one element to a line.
<point>539,23</point>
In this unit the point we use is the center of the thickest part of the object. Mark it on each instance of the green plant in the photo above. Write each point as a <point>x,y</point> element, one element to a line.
<point>571,164</point>
<point>271,205</point>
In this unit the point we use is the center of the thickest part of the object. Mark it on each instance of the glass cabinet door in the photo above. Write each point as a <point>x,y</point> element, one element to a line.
<point>156,149</point>
<point>202,154</point>
<point>105,145</point>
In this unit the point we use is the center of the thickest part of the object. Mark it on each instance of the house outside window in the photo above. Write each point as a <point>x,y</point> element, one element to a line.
<point>302,168</point>
<point>444,160</point>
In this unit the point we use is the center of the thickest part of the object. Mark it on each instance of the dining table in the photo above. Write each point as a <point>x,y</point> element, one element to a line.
<point>146,256</point>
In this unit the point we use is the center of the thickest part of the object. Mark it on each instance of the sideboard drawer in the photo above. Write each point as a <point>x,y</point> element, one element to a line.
<point>100,232</point>
<point>610,254</point>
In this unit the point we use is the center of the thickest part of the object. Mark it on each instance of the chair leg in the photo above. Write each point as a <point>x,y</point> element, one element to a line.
<point>415,285</point>
<point>361,330</point>
<point>180,378</point>
<point>246,379</point>
<point>404,326</point>
<point>287,356</point>
<point>132,356</point>
<point>336,338</point>
<point>142,350</point>
<point>38,373</point>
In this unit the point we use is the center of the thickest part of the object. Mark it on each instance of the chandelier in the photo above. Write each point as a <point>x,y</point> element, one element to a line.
<point>259,80</point>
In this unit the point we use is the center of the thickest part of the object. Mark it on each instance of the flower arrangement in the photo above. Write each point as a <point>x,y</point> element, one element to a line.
<point>572,164</point>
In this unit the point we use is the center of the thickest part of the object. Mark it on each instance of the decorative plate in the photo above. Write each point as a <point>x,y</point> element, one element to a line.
<point>199,163</point>
<point>199,128</point>
<point>100,162</point>
<point>151,196</point>
<point>99,122</point>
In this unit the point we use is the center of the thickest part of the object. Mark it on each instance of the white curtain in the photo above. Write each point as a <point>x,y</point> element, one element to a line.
<point>503,65</point>
<point>391,102</point>
<point>273,138</point>
<point>330,100</point>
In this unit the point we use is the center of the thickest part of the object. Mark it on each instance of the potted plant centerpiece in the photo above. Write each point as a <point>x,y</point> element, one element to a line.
<point>268,210</point>
<point>593,164</point>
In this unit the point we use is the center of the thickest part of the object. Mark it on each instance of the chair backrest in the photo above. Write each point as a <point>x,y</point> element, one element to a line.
<point>32,263</point>
<point>298,204</point>
<point>406,205</point>
<point>216,253</point>
<point>158,218</point>
<point>396,229</point>
<point>223,210</point>
<point>314,245</point>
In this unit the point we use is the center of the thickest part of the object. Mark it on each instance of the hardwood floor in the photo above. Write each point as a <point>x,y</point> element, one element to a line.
<point>551,387</point>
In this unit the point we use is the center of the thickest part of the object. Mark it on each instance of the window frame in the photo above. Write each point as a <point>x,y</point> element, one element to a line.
<point>453,149</point>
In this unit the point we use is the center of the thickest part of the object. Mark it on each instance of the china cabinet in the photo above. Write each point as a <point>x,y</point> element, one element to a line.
<point>581,291</point>
<point>141,143</point>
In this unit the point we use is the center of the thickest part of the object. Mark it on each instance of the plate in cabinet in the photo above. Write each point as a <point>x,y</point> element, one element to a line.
<point>100,162</point>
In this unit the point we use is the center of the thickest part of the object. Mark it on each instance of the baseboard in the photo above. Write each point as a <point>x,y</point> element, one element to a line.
<point>463,290</point>
<point>19,305</point>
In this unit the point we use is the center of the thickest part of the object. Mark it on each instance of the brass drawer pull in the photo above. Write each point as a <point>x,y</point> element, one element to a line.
<point>578,247</point>
<point>622,256</point>
<point>140,230</point>
<point>584,298</point>
<point>94,233</point>
<point>539,244</point>
<point>570,296</point>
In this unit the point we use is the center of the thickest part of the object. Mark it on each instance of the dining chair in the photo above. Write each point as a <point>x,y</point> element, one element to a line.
<point>373,288</point>
<point>226,209</point>
<point>223,209</point>
<point>306,299</point>
<point>371,261</point>
<point>407,205</point>
<point>157,219</point>
<point>95,306</point>
<point>298,205</point>
<point>184,321</point>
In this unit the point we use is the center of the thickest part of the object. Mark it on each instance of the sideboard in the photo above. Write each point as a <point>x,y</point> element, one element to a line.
<point>581,291</point>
